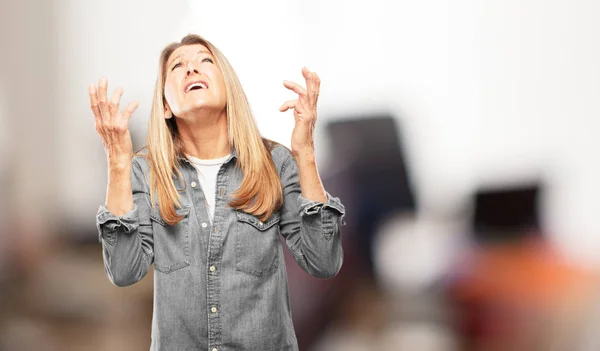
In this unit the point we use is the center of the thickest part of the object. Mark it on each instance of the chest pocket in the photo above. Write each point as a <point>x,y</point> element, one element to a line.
<point>256,244</point>
<point>171,242</point>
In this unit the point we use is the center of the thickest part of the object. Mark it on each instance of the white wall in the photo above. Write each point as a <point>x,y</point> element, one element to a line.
<point>488,91</point>
<point>29,91</point>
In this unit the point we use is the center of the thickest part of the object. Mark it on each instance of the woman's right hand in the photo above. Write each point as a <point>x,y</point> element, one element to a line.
<point>111,124</point>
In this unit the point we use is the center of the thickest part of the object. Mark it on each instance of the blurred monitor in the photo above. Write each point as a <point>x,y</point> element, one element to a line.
<point>506,214</point>
<point>370,148</point>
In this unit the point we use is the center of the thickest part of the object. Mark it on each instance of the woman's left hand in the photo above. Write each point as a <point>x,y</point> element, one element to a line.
<point>305,111</point>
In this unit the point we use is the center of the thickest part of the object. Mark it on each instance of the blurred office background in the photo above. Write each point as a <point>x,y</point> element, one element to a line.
<point>461,136</point>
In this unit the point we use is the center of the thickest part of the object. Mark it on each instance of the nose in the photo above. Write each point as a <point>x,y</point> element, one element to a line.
<point>190,69</point>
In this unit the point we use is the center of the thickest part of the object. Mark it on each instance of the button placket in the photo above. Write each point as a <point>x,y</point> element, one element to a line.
<point>214,257</point>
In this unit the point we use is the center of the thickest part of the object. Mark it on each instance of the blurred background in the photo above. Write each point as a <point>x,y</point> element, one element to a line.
<point>461,136</point>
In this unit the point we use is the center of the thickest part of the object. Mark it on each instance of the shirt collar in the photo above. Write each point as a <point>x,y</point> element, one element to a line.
<point>231,156</point>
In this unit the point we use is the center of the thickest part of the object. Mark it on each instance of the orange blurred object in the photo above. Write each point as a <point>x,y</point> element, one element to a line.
<point>533,273</point>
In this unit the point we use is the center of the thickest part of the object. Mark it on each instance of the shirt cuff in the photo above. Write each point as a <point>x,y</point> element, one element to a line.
<point>107,222</point>
<point>308,207</point>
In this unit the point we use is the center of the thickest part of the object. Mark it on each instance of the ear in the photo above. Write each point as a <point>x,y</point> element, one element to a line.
<point>168,113</point>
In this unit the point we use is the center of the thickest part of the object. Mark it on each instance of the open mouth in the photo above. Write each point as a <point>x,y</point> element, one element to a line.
<point>196,86</point>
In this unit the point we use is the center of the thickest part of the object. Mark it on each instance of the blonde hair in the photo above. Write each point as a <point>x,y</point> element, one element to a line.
<point>260,192</point>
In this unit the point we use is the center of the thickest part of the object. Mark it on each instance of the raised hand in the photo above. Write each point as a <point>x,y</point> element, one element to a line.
<point>111,124</point>
<point>305,111</point>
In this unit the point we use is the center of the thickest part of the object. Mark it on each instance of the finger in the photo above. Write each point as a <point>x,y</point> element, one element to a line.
<point>297,88</point>
<point>129,110</point>
<point>113,106</point>
<point>315,84</point>
<point>312,81</point>
<point>94,103</point>
<point>306,73</point>
<point>288,105</point>
<point>102,99</point>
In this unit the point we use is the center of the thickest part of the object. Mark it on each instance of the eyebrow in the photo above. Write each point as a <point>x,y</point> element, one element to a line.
<point>202,51</point>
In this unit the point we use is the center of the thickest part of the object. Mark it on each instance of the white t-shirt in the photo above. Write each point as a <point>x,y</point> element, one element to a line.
<point>207,177</point>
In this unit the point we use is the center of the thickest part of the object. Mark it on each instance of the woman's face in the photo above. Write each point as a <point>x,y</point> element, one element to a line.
<point>193,82</point>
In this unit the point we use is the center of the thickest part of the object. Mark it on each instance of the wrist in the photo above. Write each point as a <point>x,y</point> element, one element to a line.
<point>304,154</point>
<point>119,162</point>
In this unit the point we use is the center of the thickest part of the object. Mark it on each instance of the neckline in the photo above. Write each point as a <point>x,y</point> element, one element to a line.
<point>210,162</point>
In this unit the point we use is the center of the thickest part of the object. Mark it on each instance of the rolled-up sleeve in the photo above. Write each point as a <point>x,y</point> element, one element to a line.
<point>108,224</point>
<point>311,229</point>
<point>127,240</point>
<point>332,213</point>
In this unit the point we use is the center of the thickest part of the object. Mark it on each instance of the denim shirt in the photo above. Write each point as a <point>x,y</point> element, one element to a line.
<point>221,286</point>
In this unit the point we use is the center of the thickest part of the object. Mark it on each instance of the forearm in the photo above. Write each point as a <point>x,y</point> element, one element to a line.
<point>126,237</point>
<point>308,174</point>
<point>119,198</point>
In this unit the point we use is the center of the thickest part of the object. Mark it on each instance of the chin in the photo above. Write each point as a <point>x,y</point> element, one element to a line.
<point>202,107</point>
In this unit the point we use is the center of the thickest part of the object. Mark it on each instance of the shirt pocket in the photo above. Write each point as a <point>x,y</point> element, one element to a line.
<point>256,244</point>
<point>171,242</point>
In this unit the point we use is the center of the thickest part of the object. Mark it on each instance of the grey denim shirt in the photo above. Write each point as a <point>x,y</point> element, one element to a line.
<point>221,286</point>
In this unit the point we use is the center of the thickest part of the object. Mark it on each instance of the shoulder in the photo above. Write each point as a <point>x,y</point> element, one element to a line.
<point>280,154</point>
<point>140,163</point>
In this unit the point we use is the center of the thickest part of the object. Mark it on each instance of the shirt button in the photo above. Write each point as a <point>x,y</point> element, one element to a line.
<point>213,310</point>
<point>212,268</point>
<point>204,225</point>
<point>193,184</point>
<point>260,223</point>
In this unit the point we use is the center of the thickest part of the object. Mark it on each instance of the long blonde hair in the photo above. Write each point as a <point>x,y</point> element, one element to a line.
<point>260,192</point>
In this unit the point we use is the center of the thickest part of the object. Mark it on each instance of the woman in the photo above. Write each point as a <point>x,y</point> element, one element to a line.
<point>206,202</point>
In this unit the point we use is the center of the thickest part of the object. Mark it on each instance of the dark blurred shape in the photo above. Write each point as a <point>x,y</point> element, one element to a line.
<point>507,214</point>
<point>372,147</point>
<point>370,154</point>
